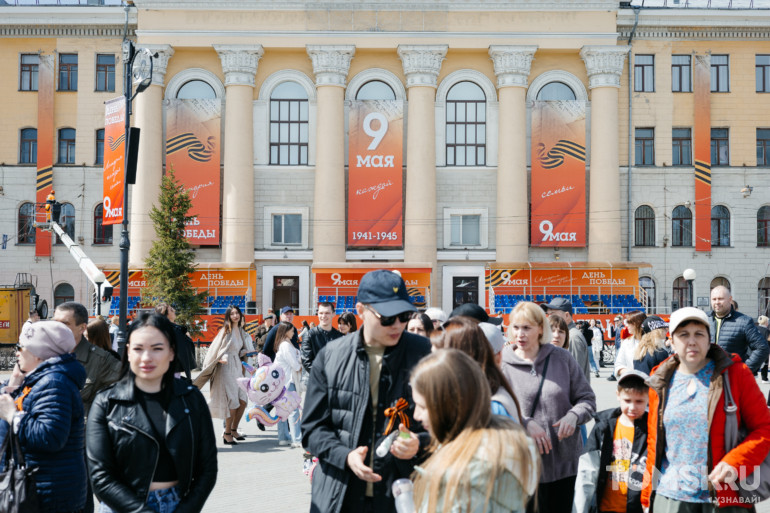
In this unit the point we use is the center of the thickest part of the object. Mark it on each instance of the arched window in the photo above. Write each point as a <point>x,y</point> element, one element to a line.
<point>466,115</point>
<point>763,227</point>
<point>63,293</point>
<point>67,221</point>
<point>26,226</point>
<point>196,89</point>
<point>556,91</point>
<point>681,226</point>
<point>763,296</point>
<point>720,280</point>
<point>720,226</point>
<point>648,285</point>
<point>644,223</point>
<point>288,125</point>
<point>66,146</point>
<point>375,90</point>
<point>28,146</point>
<point>682,294</point>
<point>102,232</point>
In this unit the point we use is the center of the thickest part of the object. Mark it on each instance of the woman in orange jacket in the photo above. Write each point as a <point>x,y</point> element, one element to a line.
<point>687,468</point>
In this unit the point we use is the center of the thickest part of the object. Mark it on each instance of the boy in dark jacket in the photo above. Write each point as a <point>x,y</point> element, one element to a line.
<point>611,468</point>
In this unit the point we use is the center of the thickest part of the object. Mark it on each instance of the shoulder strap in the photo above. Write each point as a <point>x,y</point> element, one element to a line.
<point>536,402</point>
<point>730,407</point>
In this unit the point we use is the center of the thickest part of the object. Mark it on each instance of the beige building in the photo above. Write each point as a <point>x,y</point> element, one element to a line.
<point>287,75</point>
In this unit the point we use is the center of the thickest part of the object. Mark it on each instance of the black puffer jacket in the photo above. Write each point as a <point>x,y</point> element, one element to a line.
<point>315,340</point>
<point>337,418</point>
<point>121,447</point>
<point>738,334</point>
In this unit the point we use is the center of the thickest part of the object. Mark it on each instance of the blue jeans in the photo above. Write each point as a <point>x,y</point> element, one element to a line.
<point>160,501</point>
<point>591,359</point>
<point>288,430</point>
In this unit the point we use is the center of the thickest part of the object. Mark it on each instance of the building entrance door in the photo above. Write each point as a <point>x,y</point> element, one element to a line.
<point>285,292</point>
<point>465,289</point>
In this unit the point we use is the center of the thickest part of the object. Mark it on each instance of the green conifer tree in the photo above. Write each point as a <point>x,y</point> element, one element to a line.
<point>172,261</point>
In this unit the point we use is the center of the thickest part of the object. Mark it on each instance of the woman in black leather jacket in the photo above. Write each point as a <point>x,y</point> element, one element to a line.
<point>149,439</point>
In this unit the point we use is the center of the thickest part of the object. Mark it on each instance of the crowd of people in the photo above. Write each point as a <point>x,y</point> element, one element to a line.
<point>468,415</point>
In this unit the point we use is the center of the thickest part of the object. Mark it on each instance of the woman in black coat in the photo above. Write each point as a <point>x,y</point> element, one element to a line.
<point>148,416</point>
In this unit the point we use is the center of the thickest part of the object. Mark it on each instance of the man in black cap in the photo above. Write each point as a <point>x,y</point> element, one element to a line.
<point>359,393</point>
<point>577,342</point>
<point>287,315</point>
<point>475,312</point>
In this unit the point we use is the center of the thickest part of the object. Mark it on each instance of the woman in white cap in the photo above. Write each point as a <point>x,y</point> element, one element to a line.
<point>686,424</point>
<point>45,409</point>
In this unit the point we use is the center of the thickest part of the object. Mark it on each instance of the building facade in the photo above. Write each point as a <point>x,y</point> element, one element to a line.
<point>464,85</point>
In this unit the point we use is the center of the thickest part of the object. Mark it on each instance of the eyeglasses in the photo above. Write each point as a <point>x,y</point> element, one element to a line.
<point>19,347</point>
<point>389,321</point>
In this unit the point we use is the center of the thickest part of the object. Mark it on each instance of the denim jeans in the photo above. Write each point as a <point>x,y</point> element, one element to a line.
<point>288,430</point>
<point>160,501</point>
<point>591,359</point>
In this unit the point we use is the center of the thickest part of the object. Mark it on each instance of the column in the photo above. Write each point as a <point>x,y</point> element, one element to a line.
<point>330,66</point>
<point>512,65</point>
<point>604,65</point>
<point>148,116</point>
<point>239,63</point>
<point>421,67</point>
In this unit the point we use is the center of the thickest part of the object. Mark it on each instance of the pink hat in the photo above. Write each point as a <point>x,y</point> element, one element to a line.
<point>46,339</point>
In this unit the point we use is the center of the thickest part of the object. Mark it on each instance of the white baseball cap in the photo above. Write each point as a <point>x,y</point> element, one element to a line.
<point>687,314</point>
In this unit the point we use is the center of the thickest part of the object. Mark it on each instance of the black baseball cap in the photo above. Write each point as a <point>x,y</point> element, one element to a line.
<point>475,311</point>
<point>286,309</point>
<point>653,322</point>
<point>559,303</point>
<point>385,291</point>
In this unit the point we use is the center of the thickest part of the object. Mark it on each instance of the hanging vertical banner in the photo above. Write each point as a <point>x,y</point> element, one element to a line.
<point>558,174</point>
<point>192,151</point>
<point>45,88</point>
<point>702,143</point>
<point>114,160</point>
<point>375,173</point>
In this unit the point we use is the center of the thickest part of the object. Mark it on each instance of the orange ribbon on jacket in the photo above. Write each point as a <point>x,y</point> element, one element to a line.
<point>397,411</point>
<point>19,400</point>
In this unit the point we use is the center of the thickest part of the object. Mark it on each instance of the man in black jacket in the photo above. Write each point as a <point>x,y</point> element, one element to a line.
<point>358,393</point>
<point>735,332</point>
<point>317,338</point>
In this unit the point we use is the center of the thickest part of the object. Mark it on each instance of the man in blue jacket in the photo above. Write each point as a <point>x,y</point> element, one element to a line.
<point>735,332</point>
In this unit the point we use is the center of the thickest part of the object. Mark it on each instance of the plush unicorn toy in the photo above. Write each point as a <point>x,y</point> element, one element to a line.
<point>267,386</point>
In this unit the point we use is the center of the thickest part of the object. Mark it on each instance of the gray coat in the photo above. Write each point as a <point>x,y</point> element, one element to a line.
<point>578,348</point>
<point>565,389</point>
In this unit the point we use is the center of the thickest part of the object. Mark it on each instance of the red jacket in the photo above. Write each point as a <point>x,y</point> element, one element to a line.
<point>752,413</point>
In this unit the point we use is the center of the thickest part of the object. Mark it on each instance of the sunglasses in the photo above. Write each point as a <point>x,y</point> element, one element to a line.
<point>19,347</point>
<point>389,321</point>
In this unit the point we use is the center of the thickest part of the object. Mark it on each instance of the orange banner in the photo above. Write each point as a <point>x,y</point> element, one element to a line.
<point>702,144</point>
<point>562,278</point>
<point>114,161</point>
<point>558,174</point>
<point>219,282</point>
<point>45,144</point>
<point>375,176</point>
<point>349,278</point>
<point>193,151</point>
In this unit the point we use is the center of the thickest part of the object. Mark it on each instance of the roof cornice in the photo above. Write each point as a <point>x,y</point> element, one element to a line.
<point>381,5</point>
<point>64,21</point>
<point>695,24</point>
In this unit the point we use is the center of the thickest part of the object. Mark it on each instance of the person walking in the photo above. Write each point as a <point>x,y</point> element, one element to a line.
<point>287,315</point>
<point>735,332</point>
<point>259,337</point>
<point>317,338</point>
<point>555,397</point>
<point>624,360</point>
<point>578,346</point>
<point>287,357</point>
<point>651,350</point>
<point>347,323</point>
<point>150,441</point>
<point>185,360</point>
<point>98,334</point>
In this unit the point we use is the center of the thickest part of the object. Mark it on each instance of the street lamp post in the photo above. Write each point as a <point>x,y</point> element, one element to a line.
<point>689,275</point>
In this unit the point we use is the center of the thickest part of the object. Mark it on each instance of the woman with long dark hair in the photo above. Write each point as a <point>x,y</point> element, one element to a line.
<point>149,440</point>
<point>347,323</point>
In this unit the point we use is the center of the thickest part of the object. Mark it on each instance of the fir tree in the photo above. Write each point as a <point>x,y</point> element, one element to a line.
<point>171,261</point>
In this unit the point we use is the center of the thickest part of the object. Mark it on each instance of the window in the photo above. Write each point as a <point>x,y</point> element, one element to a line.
<point>66,146</point>
<point>720,147</point>
<point>763,146</point>
<point>648,285</point>
<point>375,90</point>
<point>720,74</point>
<point>287,229</point>
<point>644,73</point>
<point>556,91</point>
<point>720,226</point>
<point>763,227</point>
<point>63,293</point>
<point>762,66</point>
<point>682,294</point>
<point>681,73</point>
<point>28,146</point>
<point>102,233</point>
<point>26,227</point>
<point>720,281</point>
<point>288,125</point>
<point>465,230</point>
<point>466,126</point>
<point>28,72</point>
<point>67,221</point>
<point>196,89</point>
<point>645,146</point>
<point>105,72</point>
<point>681,144</point>
<point>68,72</point>
<point>681,226</point>
<point>644,220</point>
<point>763,296</point>
<point>100,146</point>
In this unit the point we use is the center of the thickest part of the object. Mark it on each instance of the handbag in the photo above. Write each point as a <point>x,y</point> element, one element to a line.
<point>751,488</point>
<point>18,491</point>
